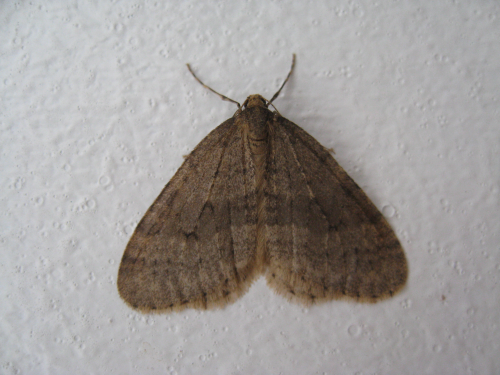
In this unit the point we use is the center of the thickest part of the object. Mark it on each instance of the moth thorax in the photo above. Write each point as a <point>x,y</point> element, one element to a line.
<point>258,130</point>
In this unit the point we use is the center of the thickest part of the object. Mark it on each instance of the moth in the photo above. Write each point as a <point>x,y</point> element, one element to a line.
<point>257,196</point>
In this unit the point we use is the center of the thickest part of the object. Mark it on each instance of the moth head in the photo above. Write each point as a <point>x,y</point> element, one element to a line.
<point>255,101</point>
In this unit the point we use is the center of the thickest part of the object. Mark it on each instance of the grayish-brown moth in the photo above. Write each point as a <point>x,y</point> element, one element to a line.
<point>259,195</point>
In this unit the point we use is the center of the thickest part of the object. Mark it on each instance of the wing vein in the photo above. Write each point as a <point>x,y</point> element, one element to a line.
<point>311,193</point>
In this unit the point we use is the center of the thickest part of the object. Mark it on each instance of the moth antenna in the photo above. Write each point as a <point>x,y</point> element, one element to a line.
<point>286,80</point>
<point>209,88</point>
<point>276,109</point>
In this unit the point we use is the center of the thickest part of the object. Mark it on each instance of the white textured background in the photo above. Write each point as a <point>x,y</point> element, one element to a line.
<point>97,109</point>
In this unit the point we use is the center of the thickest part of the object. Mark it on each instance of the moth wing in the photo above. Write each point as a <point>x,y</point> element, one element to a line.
<point>325,238</point>
<point>195,246</point>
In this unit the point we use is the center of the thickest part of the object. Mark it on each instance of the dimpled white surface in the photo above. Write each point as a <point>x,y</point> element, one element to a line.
<point>97,109</point>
